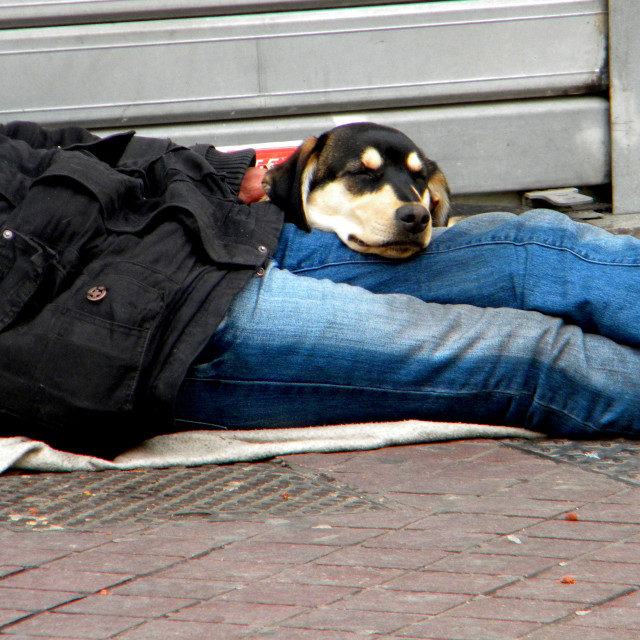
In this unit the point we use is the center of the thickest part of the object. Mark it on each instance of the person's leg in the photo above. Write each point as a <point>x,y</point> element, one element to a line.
<point>540,261</point>
<point>297,351</point>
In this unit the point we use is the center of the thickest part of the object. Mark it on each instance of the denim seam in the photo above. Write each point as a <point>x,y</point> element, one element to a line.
<point>545,245</point>
<point>534,401</point>
<point>347,386</point>
<point>564,413</point>
<point>217,426</point>
<point>324,265</point>
<point>486,243</point>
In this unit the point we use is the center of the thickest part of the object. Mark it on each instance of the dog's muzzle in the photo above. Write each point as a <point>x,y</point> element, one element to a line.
<point>413,218</point>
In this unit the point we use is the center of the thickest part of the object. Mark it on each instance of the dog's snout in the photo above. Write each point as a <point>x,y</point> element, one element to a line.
<point>414,218</point>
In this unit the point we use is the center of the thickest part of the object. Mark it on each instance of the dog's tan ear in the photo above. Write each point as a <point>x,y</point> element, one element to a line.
<point>440,199</point>
<point>287,183</point>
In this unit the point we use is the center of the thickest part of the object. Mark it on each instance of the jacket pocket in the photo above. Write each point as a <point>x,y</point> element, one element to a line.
<point>23,264</point>
<point>97,341</point>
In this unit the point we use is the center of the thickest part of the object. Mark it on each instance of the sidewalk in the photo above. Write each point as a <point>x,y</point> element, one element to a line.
<point>465,540</point>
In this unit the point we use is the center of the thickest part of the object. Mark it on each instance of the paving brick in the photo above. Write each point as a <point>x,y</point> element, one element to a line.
<point>11,615</point>
<point>320,460</point>
<point>452,481</point>
<point>557,591</point>
<point>355,621</point>
<point>452,628</point>
<point>320,534</point>
<point>612,617</point>
<point>275,552</point>
<point>158,545</point>
<point>280,633</point>
<point>463,449</point>
<point>410,455</point>
<point>568,631</point>
<point>432,503</point>
<point>368,519</point>
<point>521,468</point>
<point>59,580</point>
<point>631,599</point>
<point>282,593</point>
<point>618,552</point>
<point>546,547</point>
<point>216,533</point>
<point>380,599</point>
<point>389,558</point>
<point>89,627</point>
<point>100,561</point>
<point>130,605</point>
<point>578,530</point>
<point>33,599</point>
<point>628,496</point>
<point>428,539</point>
<point>184,630</point>
<point>595,571</point>
<point>7,570</point>
<point>474,523</point>
<point>494,564</point>
<point>16,554</point>
<point>229,570</point>
<point>247,613</point>
<point>509,457</point>
<point>174,588</point>
<point>383,479</point>
<point>344,576</point>
<point>427,457</point>
<point>378,470</point>
<point>507,505</point>
<point>66,540</point>
<point>567,484</point>
<point>626,513</point>
<point>444,582</point>
<point>20,636</point>
<point>517,609</point>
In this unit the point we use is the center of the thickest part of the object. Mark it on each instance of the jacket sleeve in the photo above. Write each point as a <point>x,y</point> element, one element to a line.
<point>231,166</point>
<point>38,137</point>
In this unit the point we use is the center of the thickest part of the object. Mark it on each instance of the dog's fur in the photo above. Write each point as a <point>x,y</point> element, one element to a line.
<point>369,184</point>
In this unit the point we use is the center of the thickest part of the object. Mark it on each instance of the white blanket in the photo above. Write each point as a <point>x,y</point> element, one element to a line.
<point>191,448</point>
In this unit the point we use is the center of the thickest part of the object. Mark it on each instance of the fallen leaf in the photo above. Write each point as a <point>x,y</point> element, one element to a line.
<point>572,516</point>
<point>567,580</point>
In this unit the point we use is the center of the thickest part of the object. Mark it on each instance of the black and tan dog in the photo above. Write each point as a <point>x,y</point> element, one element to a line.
<point>369,184</point>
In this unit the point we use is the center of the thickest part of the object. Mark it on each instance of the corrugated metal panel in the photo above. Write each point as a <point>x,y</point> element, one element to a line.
<point>18,13</point>
<point>482,148</point>
<point>625,105</point>
<point>281,64</point>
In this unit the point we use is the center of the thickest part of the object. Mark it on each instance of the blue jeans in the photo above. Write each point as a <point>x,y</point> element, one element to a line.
<point>525,320</point>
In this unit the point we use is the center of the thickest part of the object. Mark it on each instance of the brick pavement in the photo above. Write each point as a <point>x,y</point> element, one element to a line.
<point>470,543</point>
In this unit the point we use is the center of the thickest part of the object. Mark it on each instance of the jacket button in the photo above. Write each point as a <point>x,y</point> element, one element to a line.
<point>95,294</point>
<point>262,249</point>
<point>260,272</point>
<point>7,234</point>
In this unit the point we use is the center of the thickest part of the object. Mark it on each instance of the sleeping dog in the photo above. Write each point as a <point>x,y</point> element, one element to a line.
<point>369,184</point>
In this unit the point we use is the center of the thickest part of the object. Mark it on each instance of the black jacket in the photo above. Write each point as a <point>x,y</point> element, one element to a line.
<point>118,259</point>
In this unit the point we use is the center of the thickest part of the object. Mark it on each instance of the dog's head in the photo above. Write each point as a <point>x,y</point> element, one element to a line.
<point>369,184</point>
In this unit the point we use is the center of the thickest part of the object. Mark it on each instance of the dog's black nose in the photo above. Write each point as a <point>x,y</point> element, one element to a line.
<point>414,218</point>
